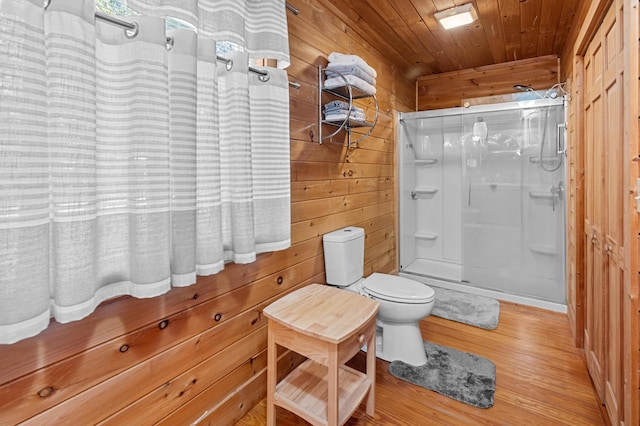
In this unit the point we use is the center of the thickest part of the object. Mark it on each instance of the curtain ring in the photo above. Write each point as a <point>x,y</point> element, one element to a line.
<point>264,77</point>
<point>131,33</point>
<point>170,42</point>
<point>46,4</point>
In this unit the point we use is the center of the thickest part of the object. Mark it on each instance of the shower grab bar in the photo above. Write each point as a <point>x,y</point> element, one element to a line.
<point>560,146</point>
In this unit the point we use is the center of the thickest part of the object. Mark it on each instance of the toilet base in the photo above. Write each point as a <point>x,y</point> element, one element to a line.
<point>400,342</point>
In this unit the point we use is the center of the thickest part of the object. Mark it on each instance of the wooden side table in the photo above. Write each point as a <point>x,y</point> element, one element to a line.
<point>328,326</point>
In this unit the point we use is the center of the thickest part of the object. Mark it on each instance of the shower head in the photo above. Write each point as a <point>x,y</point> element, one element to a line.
<point>523,88</point>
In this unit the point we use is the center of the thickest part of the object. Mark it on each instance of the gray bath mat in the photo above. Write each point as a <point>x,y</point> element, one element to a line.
<point>458,375</point>
<point>466,308</point>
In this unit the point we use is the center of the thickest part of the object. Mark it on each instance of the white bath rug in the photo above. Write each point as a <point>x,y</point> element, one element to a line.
<point>466,308</point>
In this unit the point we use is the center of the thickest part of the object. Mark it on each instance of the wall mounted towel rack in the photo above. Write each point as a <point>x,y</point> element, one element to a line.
<point>350,94</point>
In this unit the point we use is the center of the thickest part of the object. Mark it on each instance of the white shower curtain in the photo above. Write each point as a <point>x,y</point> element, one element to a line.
<point>259,27</point>
<point>127,168</point>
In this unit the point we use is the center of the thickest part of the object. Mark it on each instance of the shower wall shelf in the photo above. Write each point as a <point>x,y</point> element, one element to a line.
<point>426,236</point>
<point>424,190</point>
<point>350,94</point>
<point>545,160</point>
<point>426,162</point>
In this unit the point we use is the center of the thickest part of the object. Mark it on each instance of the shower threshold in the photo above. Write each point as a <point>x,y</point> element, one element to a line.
<point>422,270</point>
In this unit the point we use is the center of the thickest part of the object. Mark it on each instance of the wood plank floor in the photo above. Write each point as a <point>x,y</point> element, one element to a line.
<point>541,378</point>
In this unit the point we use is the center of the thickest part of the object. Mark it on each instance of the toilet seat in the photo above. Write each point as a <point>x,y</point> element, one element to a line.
<point>397,289</point>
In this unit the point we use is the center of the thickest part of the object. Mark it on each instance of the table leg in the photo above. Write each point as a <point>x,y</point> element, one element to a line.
<point>272,375</point>
<point>371,371</point>
<point>332,378</point>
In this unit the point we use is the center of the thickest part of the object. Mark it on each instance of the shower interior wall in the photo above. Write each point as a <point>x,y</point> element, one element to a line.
<point>435,183</point>
<point>476,205</point>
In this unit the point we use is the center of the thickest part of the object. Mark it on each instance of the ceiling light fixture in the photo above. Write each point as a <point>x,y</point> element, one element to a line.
<point>457,16</point>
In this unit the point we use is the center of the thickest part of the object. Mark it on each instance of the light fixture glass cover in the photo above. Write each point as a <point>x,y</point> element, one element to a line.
<point>456,16</point>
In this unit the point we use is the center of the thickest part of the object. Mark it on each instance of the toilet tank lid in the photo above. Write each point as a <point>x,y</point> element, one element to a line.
<point>400,289</point>
<point>343,235</point>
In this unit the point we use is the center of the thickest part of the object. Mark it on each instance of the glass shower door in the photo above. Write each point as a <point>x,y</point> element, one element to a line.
<point>513,200</point>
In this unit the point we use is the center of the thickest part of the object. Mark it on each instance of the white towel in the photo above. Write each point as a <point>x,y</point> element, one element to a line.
<point>340,111</point>
<point>335,112</point>
<point>341,117</point>
<point>344,108</point>
<point>341,58</point>
<point>336,104</point>
<point>349,70</point>
<point>335,82</point>
<point>355,114</point>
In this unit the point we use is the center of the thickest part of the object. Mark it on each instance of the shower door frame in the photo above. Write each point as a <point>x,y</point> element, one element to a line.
<point>403,202</point>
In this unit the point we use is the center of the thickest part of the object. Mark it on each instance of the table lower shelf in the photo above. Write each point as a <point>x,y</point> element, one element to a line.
<point>305,392</point>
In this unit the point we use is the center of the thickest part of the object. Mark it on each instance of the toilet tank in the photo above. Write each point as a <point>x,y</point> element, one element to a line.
<point>344,255</point>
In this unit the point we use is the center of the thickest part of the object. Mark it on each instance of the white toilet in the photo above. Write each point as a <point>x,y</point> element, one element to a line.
<point>403,302</point>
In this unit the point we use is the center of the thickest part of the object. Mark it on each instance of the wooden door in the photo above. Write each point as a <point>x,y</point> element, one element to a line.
<point>613,73</point>
<point>595,290</point>
<point>604,212</point>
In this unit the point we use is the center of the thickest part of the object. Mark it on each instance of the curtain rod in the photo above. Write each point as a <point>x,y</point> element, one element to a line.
<point>263,75</point>
<point>293,9</point>
<point>131,30</point>
<point>133,26</point>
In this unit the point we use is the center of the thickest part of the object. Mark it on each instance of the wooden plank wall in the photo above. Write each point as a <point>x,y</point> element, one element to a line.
<point>198,354</point>
<point>447,90</point>
<point>575,207</point>
<point>632,304</point>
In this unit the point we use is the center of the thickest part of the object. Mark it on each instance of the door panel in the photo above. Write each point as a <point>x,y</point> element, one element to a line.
<point>595,309</point>
<point>613,100</point>
<point>604,212</point>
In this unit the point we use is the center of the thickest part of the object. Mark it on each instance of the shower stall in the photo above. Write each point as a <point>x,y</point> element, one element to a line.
<point>482,203</point>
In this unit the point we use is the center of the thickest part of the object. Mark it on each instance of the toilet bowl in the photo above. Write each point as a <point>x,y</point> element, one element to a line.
<point>403,302</point>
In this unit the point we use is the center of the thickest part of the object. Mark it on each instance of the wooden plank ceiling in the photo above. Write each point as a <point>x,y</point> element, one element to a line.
<point>506,30</point>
